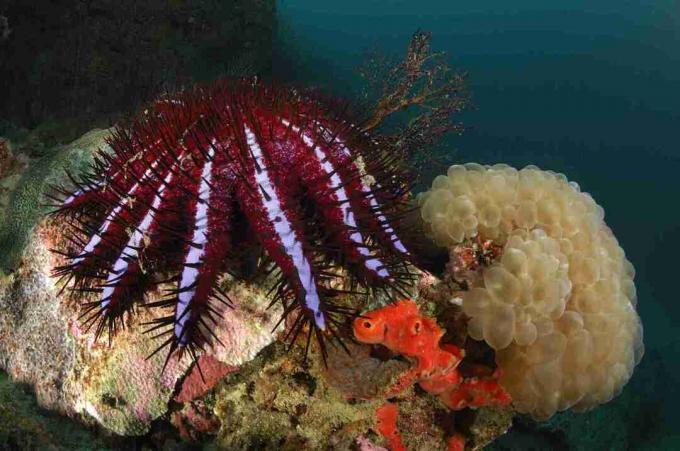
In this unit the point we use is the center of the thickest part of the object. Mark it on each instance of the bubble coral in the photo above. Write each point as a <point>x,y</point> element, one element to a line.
<point>558,306</point>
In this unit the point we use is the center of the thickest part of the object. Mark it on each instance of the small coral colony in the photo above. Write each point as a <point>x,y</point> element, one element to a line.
<point>207,178</point>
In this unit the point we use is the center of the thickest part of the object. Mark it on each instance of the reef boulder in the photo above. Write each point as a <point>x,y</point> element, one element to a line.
<point>43,345</point>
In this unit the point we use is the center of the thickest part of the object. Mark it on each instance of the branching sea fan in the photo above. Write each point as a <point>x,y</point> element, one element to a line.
<point>207,177</point>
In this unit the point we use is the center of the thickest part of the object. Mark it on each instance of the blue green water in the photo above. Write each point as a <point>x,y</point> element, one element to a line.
<point>587,88</point>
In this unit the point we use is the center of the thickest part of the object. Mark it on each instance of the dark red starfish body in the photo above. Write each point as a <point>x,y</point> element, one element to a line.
<point>208,176</point>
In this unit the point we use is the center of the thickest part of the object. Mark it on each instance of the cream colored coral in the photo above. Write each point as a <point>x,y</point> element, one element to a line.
<point>558,306</point>
<point>528,288</point>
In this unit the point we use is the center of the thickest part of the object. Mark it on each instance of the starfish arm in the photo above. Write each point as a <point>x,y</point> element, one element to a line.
<point>364,199</point>
<point>203,264</point>
<point>326,189</point>
<point>125,282</point>
<point>271,214</point>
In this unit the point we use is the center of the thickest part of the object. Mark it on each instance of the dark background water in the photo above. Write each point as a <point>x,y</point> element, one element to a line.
<point>587,88</point>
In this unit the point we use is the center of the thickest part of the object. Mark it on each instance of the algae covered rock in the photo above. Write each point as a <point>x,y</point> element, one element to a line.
<point>274,403</point>
<point>26,203</point>
<point>24,425</point>
<point>282,401</point>
<point>122,389</point>
<point>36,347</point>
<point>42,344</point>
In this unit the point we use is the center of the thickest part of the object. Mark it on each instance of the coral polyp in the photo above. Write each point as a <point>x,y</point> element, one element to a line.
<point>208,178</point>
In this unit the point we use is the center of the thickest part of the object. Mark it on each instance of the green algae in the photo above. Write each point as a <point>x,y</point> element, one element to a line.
<point>26,203</point>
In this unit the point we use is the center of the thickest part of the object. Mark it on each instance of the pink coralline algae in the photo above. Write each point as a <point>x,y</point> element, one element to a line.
<point>205,180</point>
<point>202,378</point>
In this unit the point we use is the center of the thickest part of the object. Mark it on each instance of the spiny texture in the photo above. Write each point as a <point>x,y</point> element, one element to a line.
<point>206,179</point>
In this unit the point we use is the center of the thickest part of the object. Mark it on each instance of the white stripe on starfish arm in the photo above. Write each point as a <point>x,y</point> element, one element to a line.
<point>195,255</point>
<point>384,223</point>
<point>372,263</point>
<point>121,265</point>
<point>291,244</point>
<point>97,237</point>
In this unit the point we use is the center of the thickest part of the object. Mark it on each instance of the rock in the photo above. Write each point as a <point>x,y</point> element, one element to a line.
<point>195,421</point>
<point>202,377</point>
<point>24,425</point>
<point>26,203</point>
<point>6,157</point>
<point>276,402</point>
<point>364,444</point>
<point>487,425</point>
<point>247,328</point>
<point>43,345</point>
<point>359,375</point>
<point>36,347</point>
<point>123,389</point>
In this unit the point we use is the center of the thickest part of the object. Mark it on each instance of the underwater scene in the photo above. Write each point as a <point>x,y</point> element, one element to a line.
<point>357,225</point>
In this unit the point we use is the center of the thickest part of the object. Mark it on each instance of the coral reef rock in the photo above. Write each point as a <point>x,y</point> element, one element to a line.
<point>558,302</point>
<point>23,203</point>
<point>24,425</point>
<point>276,402</point>
<point>279,400</point>
<point>43,345</point>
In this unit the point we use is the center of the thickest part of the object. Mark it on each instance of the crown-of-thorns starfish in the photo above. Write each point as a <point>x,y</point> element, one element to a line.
<point>206,177</point>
